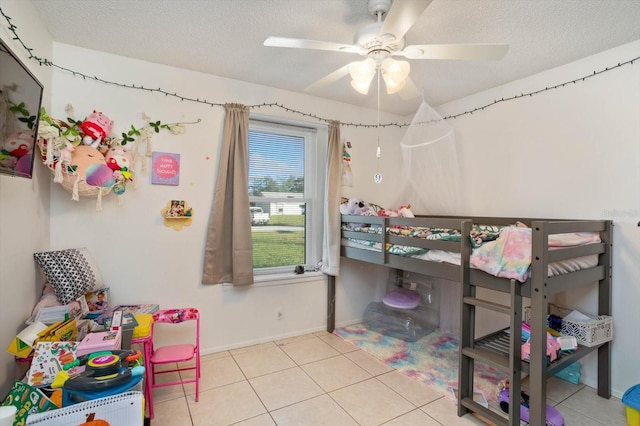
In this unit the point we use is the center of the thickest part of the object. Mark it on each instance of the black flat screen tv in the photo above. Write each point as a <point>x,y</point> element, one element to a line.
<point>20,101</point>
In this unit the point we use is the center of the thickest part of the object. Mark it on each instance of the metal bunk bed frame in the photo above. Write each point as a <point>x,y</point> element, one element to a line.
<point>494,349</point>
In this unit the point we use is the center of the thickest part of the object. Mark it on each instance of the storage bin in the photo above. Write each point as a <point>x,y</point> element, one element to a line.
<point>631,399</point>
<point>135,383</point>
<point>591,333</point>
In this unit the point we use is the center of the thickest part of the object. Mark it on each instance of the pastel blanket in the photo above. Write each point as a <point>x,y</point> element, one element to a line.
<point>509,256</point>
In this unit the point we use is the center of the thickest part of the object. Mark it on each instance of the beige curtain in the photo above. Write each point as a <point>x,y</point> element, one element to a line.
<point>228,255</point>
<point>331,230</point>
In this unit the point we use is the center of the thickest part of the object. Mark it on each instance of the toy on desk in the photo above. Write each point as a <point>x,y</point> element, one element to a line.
<point>103,370</point>
<point>553,416</point>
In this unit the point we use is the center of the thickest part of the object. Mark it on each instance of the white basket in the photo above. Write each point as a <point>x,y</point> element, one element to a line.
<point>592,333</point>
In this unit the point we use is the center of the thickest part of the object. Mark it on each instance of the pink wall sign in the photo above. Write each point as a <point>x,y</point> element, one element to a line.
<point>165,168</point>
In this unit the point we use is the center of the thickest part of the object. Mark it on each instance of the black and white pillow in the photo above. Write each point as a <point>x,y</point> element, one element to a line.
<point>72,272</point>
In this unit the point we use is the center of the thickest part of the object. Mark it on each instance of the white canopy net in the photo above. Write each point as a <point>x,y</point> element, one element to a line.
<point>430,166</point>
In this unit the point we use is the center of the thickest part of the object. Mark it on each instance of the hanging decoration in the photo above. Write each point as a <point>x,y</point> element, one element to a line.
<point>86,160</point>
<point>347,176</point>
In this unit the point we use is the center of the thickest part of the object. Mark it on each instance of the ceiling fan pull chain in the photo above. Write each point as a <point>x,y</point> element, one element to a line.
<point>377,177</point>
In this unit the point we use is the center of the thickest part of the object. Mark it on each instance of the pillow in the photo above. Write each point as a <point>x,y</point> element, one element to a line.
<point>72,272</point>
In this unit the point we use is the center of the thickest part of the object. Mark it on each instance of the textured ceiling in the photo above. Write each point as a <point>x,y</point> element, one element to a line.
<point>225,38</point>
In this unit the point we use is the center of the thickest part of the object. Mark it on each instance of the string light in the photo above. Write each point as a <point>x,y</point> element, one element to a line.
<point>45,62</point>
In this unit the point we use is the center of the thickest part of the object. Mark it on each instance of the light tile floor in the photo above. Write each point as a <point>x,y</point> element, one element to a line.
<point>319,379</point>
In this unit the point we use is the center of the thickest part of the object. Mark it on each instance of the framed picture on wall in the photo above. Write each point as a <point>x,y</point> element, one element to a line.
<point>165,168</point>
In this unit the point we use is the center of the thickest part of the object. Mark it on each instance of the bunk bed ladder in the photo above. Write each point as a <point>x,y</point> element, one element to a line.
<point>470,353</point>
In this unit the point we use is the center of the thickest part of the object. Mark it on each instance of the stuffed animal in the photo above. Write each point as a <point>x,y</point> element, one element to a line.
<point>96,127</point>
<point>402,211</point>
<point>65,151</point>
<point>356,207</point>
<point>90,173</point>
<point>120,161</point>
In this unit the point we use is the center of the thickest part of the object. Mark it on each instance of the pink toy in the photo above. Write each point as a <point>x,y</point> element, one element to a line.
<point>120,161</point>
<point>553,349</point>
<point>96,127</point>
<point>402,211</point>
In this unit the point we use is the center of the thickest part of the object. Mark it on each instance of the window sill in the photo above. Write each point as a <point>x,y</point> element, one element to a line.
<point>281,279</point>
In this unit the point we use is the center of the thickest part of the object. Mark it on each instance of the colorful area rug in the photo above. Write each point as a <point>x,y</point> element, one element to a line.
<point>433,359</point>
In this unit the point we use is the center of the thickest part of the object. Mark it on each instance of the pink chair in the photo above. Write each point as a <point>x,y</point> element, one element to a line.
<point>175,353</point>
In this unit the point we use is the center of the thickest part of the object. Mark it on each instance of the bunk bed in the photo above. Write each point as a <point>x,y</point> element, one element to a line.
<point>444,252</point>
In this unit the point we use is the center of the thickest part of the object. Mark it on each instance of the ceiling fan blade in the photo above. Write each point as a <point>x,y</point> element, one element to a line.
<point>409,91</point>
<point>401,16</point>
<point>334,76</point>
<point>471,51</point>
<point>300,43</point>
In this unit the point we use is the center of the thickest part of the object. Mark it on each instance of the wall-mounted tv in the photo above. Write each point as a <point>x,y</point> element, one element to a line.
<point>20,100</point>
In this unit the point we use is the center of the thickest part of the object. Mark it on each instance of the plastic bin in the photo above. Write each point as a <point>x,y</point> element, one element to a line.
<point>631,399</point>
<point>135,383</point>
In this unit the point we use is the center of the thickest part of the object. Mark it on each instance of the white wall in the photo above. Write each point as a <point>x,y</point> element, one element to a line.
<point>24,203</point>
<point>145,262</point>
<point>572,152</point>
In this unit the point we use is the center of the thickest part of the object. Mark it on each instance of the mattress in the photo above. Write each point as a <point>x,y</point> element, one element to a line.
<point>504,252</point>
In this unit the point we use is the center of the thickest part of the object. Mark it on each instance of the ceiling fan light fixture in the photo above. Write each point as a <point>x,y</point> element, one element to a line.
<point>395,74</point>
<point>361,87</point>
<point>362,72</point>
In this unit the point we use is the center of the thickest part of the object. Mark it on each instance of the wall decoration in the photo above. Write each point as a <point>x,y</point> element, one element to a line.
<point>165,168</point>
<point>177,214</point>
<point>347,176</point>
<point>87,161</point>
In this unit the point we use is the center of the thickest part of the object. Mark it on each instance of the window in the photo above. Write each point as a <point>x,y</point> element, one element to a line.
<point>286,193</point>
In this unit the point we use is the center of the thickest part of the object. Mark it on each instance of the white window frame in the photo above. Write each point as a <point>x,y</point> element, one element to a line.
<point>315,148</point>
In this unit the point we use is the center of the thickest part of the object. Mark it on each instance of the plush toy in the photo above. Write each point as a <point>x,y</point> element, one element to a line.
<point>402,211</point>
<point>89,173</point>
<point>96,127</point>
<point>65,151</point>
<point>356,207</point>
<point>120,161</point>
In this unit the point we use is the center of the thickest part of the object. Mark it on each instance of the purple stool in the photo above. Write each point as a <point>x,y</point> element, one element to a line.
<point>402,298</point>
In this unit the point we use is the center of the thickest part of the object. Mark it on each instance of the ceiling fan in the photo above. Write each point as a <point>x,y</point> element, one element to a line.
<point>380,41</point>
